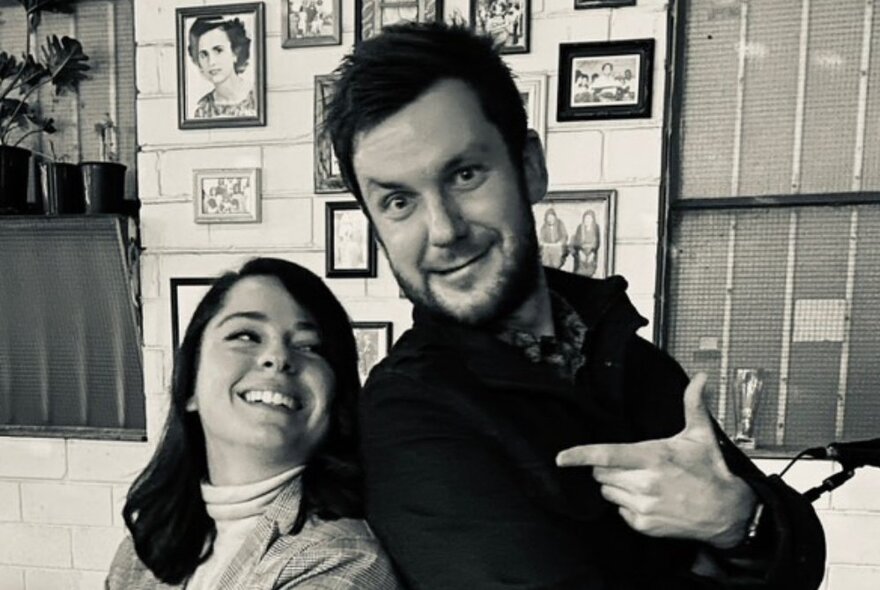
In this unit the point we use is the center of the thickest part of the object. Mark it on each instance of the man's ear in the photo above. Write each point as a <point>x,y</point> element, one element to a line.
<point>534,167</point>
<point>191,404</point>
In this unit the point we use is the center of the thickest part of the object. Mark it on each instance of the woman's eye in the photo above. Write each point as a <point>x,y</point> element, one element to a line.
<point>307,347</point>
<point>244,336</point>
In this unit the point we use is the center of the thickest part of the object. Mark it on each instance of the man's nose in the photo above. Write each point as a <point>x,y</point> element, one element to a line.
<point>446,224</point>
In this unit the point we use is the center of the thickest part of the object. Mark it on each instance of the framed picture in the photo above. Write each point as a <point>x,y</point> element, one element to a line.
<point>227,195</point>
<point>328,178</point>
<point>583,4</point>
<point>186,293</point>
<point>221,66</point>
<point>533,91</point>
<point>305,23</point>
<point>371,15</point>
<point>373,341</point>
<point>507,21</point>
<point>351,249</point>
<point>576,231</point>
<point>606,80</point>
<point>457,12</point>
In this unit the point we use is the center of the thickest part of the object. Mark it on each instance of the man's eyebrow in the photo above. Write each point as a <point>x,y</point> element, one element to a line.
<point>476,147</point>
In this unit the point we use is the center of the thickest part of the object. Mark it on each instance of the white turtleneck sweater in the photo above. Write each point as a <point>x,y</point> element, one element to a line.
<point>235,510</point>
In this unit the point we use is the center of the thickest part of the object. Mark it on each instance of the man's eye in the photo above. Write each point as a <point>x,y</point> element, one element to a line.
<point>397,205</point>
<point>468,176</point>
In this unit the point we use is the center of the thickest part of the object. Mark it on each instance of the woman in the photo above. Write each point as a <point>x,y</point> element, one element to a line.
<point>553,240</point>
<point>585,245</point>
<point>221,49</point>
<point>256,481</point>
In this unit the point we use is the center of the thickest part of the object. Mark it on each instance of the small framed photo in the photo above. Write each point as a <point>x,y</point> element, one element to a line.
<point>328,178</point>
<point>373,340</point>
<point>533,91</point>
<point>606,80</point>
<point>507,21</point>
<point>186,293</point>
<point>227,195</point>
<point>457,12</point>
<point>351,248</point>
<point>584,4</point>
<point>576,231</point>
<point>221,66</point>
<point>306,23</point>
<point>372,15</point>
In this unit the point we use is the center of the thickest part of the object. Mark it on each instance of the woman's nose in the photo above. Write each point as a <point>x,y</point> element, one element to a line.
<point>276,358</point>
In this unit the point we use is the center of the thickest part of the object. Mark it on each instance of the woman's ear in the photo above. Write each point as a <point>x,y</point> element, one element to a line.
<point>534,167</point>
<point>191,404</point>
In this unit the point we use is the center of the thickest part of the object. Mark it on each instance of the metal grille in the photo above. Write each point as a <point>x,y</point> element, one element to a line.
<point>69,345</point>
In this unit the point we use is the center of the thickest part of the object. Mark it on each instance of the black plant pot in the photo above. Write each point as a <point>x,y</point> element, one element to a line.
<point>14,167</point>
<point>103,187</point>
<point>62,188</point>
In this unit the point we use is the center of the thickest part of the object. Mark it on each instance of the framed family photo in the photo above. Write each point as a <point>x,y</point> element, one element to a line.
<point>373,340</point>
<point>507,21</point>
<point>576,231</point>
<point>227,195</point>
<point>584,4</point>
<point>221,66</point>
<point>350,246</point>
<point>533,91</point>
<point>605,80</point>
<point>306,23</point>
<point>372,15</point>
<point>186,292</point>
<point>328,178</point>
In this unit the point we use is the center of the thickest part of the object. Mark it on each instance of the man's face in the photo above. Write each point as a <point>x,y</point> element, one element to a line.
<point>449,206</point>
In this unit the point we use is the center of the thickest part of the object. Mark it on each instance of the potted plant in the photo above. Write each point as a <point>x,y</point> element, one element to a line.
<point>62,64</point>
<point>60,185</point>
<point>103,181</point>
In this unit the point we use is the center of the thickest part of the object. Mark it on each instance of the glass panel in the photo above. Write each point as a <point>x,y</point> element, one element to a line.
<point>871,170</point>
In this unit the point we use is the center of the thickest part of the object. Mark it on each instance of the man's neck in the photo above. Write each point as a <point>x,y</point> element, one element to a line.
<point>535,314</point>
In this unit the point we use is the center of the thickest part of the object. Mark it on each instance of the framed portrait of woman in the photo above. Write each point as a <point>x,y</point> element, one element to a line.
<point>221,66</point>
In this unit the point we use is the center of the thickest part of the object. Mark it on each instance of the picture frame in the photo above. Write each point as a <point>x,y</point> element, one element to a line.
<point>229,60</point>
<point>186,293</point>
<point>372,15</point>
<point>373,341</point>
<point>586,4</point>
<point>226,195</point>
<point>310,23</point>
<point>605,80</point>
<point>457,12</point>
<point>350,245</point>
<point>508,23</point>
<point>328,178</point>
<point>533,91</point>
<point>579,237</point>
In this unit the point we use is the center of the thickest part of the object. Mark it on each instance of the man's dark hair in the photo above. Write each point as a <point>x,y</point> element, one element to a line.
<point>239,42</point>
<point>388,72</point>
<point>164,510</point>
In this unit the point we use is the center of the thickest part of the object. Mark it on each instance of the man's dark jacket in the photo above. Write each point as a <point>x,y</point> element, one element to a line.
<point>460,433</point>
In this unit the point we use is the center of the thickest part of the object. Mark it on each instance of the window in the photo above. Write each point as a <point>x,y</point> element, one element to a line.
<point>774,188</point>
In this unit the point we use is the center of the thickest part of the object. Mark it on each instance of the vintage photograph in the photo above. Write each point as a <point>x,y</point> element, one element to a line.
<point>373,341</point>
<point>221,67</point>
<point>227,195</point>
<point>186,292</point>
<point>576,231</point>
<point>583,4</point>
<point>533,91</point>
<point>507,21</point>
<point>311,22</point>
<point>328,178</point>
<point>351,249</point>
<point>605,80</point>
<point>372,15</point>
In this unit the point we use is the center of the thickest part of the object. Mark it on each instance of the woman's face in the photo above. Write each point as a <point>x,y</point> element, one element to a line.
<point>216,58</point>
<point>263,391</point>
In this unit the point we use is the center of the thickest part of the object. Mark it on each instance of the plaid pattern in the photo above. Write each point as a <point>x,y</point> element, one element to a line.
<point>325,555</point>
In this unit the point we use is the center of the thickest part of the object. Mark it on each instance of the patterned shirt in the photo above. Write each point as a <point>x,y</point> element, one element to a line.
<point>209,108</point>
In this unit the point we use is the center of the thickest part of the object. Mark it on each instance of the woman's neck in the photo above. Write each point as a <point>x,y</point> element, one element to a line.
<point>232,90</point>
<point>236,466</point>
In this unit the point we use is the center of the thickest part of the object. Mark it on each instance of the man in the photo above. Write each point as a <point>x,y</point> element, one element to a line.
<point>484,431</point>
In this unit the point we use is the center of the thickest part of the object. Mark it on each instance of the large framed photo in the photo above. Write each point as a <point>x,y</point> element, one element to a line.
<point>372,15</point>
<point>221,66</point>
<point>373,340</point>
<point>350,246</point>
<point>227,195</point>
<point>328,178</point>
<point>186,293</point>
<point>606,80</point>
<point>507,21</point>
<point>576,231</point>
<point>583,4</point>
<point>305,23</point>
<point>533,91</point>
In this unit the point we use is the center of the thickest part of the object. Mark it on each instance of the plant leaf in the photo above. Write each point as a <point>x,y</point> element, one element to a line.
<point>21,111</point>
<point>8,66</point>
<point>34,73</point>
<point>66,62</point>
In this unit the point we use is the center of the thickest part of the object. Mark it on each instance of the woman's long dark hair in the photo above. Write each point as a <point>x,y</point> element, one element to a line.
<point>164,510</point>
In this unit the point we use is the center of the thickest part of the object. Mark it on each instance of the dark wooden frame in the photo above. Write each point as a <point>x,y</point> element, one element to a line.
<point>524,47</point>
<point>333,39</point>
<point>366,13</point>
<point>643,49</point>
<point>177,331</point>
<point>587,4</point>
<point>330,249</point>
<point>257,61</point>
<point>326,180</point>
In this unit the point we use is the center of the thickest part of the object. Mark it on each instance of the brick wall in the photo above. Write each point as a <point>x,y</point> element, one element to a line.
<point>60,500</point>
